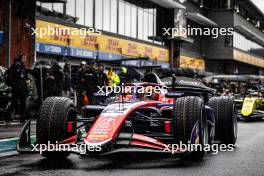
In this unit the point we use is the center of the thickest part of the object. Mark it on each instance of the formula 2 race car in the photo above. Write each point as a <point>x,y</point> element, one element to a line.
<point>137,122</point>
<point>253,105</point>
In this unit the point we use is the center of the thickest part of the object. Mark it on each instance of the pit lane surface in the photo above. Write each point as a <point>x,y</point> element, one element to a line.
<point>247,159</point>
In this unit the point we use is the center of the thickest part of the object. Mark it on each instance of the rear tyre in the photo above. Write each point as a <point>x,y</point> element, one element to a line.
<point>55,113</point>
<point>188,111</point>
<point>225,119</point>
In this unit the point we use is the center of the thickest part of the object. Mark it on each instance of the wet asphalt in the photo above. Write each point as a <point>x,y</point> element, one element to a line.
<point>247,159</point>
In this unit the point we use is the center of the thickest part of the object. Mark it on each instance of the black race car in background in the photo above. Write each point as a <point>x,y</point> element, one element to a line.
<point>237,86</point>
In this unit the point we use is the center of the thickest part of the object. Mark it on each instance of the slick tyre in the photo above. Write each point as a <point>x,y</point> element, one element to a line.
<point>225,119</point>
<point>55,114</point>
<point>189,112</point>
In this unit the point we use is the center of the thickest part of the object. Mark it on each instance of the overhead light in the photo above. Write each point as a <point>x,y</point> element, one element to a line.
<point>182,1</point>
<point>258,24</point>
<point>201,4</point>
<point>237,8</point>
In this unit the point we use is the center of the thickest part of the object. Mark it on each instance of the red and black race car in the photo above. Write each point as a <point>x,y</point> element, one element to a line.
<point>143,121</point>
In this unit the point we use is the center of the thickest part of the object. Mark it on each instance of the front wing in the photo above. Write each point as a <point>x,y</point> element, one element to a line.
<point>125,143</point>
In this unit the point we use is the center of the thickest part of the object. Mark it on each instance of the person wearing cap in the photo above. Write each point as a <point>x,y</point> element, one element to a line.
<point>17,79</point>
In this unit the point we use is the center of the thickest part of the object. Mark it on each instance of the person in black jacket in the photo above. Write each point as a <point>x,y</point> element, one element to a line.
<point>80,84</point>
<point>91,82</point>
<point>102,82</point>
<point>54,81</point>
<point>67,80</point>
<point>17,78</point>
<point>101,76</point>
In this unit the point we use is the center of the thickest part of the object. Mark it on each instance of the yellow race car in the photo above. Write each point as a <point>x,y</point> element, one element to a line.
<point>253,106</point>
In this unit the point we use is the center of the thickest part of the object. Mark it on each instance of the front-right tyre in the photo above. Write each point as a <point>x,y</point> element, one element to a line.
<point>188,114</point>
<point>55,116</point>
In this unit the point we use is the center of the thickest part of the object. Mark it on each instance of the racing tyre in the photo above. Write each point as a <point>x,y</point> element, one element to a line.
<point>225,119</point>
<point>188,113</point>
<point>52,124</point>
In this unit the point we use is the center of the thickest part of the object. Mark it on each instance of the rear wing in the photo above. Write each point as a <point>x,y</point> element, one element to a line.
<point>187,86</point>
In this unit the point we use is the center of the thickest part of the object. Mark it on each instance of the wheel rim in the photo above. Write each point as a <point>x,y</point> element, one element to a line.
<point>70,118</point>
<point>204,129</point>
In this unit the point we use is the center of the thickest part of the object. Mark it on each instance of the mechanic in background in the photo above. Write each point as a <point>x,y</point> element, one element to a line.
<point>91,82</point>
<point>17,79</point>
<point>80,83</point>
<point>113,78</point>
<point>102,82</point>
<point>123,75</point>
<point>66,87</point>
<point>102,79</point>
<point>54,81</point>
